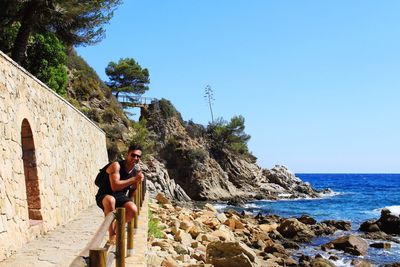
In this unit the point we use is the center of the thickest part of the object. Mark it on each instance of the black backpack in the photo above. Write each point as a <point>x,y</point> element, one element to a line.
<point>101,175</point>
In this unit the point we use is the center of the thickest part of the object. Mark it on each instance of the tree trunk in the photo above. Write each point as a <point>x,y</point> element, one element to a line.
<point>21,41</point>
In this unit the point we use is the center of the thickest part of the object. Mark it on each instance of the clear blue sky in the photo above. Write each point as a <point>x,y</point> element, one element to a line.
<point>318,82</point>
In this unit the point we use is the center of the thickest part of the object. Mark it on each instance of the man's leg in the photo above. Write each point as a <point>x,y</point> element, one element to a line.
<point>109,206</point>
<point>130,210</point>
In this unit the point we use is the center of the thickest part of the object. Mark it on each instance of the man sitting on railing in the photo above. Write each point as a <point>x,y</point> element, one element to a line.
<point>114,181</point>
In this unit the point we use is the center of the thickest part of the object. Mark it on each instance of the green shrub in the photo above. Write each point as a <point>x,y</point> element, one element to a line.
<point>155,230</point>
<point>229,136</point>
<point>168,110</point>
<point>141,137</point>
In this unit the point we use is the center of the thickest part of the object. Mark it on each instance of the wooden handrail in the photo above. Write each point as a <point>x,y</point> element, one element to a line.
<point>98,255</point>
<point>82,258</point>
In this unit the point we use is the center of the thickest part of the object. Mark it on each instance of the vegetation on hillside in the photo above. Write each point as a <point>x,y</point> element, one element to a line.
<point>44,48</point>
<point>73,22</point>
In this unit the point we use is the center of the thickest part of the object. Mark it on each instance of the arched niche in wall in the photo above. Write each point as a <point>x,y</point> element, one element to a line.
<point>30,171</point>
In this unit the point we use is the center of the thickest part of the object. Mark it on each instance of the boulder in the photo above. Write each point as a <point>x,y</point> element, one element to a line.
<point>230,254</point>
<point>169,262</point>
<point>350,244</point>
<point>162,199</point>
<point>321,262</point>
<point>322,229</point>
<point>293,229</point>
<point>338,224</point>
<point>360,263</point>
<point>369,226</point>
<point>266,228</point>
<point>388,222</point>
<point>272,247</point>
<point>183,237</point>
<point>210,207</point>
<point>381,245</point>
<point>306,219</point>
<point>164,245</point>
<point>224,234</point>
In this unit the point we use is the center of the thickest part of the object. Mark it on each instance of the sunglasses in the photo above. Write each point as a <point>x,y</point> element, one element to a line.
<point>133,155</point>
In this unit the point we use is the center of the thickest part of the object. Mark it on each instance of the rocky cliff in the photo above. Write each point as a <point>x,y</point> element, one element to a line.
<point>190,163</point>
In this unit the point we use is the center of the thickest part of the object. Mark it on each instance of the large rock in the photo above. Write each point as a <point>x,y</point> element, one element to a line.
<point>388,222</point>
<point>292,185</point>
<point>321,262</point>
<point>293,229</point>
<point>338,224</point>
<point>350,244</point>
<point>230,254</point>
<point>159,181</point>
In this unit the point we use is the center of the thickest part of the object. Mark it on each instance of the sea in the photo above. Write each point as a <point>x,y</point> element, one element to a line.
<point>355,198</point>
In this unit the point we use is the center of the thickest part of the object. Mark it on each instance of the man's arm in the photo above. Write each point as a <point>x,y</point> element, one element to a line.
<point>115,180</point>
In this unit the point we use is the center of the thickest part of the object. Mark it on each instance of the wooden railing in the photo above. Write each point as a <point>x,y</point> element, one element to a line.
<point>96,255</point>
<point>135,100</point>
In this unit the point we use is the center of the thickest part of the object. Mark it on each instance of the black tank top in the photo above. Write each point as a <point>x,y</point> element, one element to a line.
<point>105,185</point>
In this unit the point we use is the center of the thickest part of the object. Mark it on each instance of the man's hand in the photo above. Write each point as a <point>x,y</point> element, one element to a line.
<point>139,176</point>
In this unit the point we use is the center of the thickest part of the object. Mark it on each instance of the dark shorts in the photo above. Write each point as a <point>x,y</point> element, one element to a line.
<point>120,200</point>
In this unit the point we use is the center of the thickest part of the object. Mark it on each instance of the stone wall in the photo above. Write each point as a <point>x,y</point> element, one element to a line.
<point>50,155</point>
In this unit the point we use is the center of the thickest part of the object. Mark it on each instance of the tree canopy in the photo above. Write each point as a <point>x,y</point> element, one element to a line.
<point>74,22</point>
<point>229,136</point>
<point>47,59</point>
<point>127,76</point>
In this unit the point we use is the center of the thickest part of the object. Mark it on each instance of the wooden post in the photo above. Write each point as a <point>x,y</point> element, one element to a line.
<point>137,202</point>
<point>135,218</point>
<point>139,195</point>
<point>130,237</point>
<point>143,189</point>
<point>97,257</point>
<point>120,244</point>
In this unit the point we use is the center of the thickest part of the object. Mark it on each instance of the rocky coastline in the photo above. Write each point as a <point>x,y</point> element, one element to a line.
<point>275,183</point>
<point>197,237</point>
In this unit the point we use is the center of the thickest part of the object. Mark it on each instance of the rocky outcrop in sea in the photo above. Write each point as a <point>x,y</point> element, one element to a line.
<point>185,156</point>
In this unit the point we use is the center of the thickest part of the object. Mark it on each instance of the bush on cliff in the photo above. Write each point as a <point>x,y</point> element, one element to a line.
<point>228,136</point>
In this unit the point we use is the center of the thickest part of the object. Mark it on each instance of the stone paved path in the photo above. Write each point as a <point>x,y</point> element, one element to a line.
<point>60,246</point>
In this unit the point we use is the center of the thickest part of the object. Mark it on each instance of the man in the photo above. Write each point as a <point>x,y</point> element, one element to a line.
<point>115,180</point>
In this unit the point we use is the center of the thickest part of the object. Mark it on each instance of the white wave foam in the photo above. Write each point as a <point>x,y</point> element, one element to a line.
<point>329,194</point>
<point>342,263</point>
<point>251,206</point>
<point>220,206</point>
<point>373,212</point>
<point>394,210</point>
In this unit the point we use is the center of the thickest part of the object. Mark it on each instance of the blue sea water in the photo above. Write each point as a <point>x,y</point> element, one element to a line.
<point>358,197</point>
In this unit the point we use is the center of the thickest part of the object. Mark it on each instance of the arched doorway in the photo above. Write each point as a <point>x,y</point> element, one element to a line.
<point>30,171</point>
